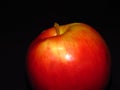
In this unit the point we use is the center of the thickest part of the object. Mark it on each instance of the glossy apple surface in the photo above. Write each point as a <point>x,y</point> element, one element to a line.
<point>69,57</point>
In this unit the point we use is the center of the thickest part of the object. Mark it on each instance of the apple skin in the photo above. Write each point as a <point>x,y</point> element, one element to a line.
<point>73,58</point>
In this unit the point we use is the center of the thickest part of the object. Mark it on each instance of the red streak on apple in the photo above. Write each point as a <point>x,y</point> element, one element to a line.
<point>69,57</point>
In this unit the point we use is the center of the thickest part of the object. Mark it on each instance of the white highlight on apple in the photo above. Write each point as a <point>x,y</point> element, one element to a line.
<point>68,57</point>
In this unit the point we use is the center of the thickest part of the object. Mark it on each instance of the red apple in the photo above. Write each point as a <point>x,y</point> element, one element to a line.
<point>69,57</point>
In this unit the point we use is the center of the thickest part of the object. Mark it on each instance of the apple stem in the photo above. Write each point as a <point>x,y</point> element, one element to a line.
<point>56,25</point>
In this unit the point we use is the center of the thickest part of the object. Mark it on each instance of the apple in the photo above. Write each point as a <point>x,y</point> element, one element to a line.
<point>69,57</point>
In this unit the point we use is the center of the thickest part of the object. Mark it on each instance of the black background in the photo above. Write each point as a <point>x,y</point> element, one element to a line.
<point>22,21</point>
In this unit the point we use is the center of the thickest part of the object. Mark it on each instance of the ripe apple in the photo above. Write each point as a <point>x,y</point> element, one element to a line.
<point>69,57</point>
